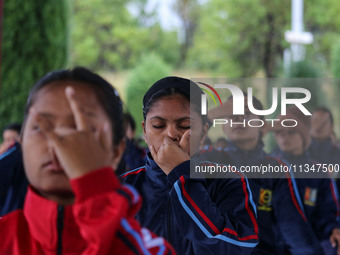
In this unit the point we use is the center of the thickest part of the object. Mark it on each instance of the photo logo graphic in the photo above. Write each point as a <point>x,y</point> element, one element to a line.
<point>204,97</point>
<point>238,98</point>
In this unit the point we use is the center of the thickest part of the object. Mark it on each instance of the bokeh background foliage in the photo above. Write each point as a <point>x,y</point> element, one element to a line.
<point>35,40</point>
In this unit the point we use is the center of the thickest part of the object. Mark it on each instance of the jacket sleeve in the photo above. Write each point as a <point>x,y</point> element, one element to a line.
<point>296,231</point>
<point>220,223</point>
<point>13,180</point>
<point>8,162</point>
<point>105,210</point>
<point>327,209</point>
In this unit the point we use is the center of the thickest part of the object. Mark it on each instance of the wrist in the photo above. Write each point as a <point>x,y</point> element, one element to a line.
<point>95,182</point>
<point>182,169</point>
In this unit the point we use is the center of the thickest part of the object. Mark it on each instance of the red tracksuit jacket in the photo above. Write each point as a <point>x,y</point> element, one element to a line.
<point>100,222</point>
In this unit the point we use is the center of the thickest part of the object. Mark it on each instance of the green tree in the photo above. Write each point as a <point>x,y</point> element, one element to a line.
<point>35,41</point>
<point>310,73</point>
<point>241,37</point>
<point>107,36</point>
<point>188,12</point>
<point>246,36</point>
<point>322,19</point>
<point>335,64</point>
<point>150,69</point>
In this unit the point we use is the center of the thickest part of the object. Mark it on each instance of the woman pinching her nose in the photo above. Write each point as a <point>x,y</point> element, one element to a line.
<point>197,216</point>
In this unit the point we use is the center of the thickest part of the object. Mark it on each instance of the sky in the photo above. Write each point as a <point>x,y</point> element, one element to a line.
<point>167,17</point>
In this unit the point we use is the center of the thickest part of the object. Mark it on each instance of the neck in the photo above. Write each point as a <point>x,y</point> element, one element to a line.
<point>297,152</point>
<point>321,139</point>
<point>61,199</point>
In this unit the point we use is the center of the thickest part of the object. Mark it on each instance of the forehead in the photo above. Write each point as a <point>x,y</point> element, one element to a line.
<point>10,133</point>
<point>171,104</point>
<point>54,94</point>
<point>320,113</point>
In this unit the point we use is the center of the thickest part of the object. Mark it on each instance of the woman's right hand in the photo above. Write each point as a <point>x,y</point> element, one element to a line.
<point>169,155</point>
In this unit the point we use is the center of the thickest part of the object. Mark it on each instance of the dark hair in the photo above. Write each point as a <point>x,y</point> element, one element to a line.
<point>325,110</point>
<point>106,94</point>
<point>128,120</point>
<point>256,103</point>
<point>170,86</point>
<point>13,126</point>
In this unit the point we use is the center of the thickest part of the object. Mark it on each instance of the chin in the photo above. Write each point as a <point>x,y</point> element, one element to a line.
<point>62,189</point>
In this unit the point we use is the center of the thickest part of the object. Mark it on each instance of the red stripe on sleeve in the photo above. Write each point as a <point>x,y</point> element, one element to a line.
<point>205,218</point>
<point>334,198</point>
<point>246,204</point>
<point>132,173</point>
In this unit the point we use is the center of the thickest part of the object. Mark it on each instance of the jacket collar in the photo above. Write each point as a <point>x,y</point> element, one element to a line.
<point>295,159</point>
<point>245,157</point>
<point>41,215</point>
<point>154,172</point>
<point>324,147</point>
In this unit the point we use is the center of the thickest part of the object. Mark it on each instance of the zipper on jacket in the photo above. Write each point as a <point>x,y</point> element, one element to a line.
<point>60,226</point>
<point>168,221</point>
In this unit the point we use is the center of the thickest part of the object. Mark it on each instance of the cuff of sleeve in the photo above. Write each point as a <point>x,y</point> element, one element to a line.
<point>96,182</point>
<point>178,171</point>
<point>328,230</point>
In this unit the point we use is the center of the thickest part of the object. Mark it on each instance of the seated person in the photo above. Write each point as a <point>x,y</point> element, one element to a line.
<point>282,223</point>
<point>316,188</point>
<point>10,135</point>
<point>72,140</point>
<point>196,215</point>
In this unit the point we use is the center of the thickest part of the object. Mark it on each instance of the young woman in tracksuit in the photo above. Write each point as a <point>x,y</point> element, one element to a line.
<point>316,189</point>
<point>72,139</point>
<point>282,224</point>
<point>196,215</point>
<point>323,147</point>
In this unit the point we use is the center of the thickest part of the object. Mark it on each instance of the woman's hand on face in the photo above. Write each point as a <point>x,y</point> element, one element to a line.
<point>81,150</point>
<point>170,155</point>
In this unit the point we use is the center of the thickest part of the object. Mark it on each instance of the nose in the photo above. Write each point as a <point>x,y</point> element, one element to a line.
<point>173,133</point>
<point>238,117</point>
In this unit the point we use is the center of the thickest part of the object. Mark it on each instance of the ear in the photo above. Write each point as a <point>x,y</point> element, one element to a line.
<point>204,132</point>
<point>144,132</point>
<point>118,151</point>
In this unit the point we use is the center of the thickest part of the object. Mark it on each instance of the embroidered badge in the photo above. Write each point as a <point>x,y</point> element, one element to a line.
<point>310,196</point>
<point>265,200</point>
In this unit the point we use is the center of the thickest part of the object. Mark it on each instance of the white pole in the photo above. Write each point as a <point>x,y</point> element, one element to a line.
<point>298,50</point>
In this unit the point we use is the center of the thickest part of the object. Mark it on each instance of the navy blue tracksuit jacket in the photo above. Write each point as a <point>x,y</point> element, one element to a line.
<point>326,152</point>
<point>197,216</point>
<point>318,197</point>
<point>13,181</point>
<point>282,223</point>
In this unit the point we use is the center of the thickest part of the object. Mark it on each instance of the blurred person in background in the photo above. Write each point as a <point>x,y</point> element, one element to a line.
<point>317,191</point>
<point>13,181</point>
<point>134,156</point>
<point>282,224</point>
<point>10,135</point>
<point>221,143</point>
<point>323,146</point>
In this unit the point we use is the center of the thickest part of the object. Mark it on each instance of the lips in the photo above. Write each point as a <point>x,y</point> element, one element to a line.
<point>54,167</point>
